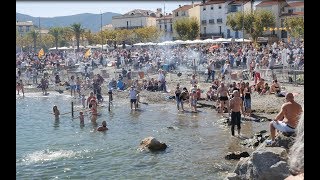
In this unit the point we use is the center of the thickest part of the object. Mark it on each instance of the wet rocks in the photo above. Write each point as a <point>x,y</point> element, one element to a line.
<point>236,155</point>
<point>255,140</point>
<point>152,144</point>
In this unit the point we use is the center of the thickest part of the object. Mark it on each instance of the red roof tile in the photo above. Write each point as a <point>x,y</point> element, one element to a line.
<point>270,2</point>
<point>185,7</point>
<point>296,4</point>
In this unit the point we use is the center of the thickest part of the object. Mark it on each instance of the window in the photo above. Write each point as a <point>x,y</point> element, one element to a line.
<point>219,29</point>
<point>219,20</point>
<point>177,13</point>
<point>302,9</point>
<point>170,27</point>
<point>20,29</point>
<point>160,26</point>
<point>219,6</point>
<point>165,28</point>
<point>204,22</point>
<point>204,8</point>
<point>290,11</point>
<point>211,7</point>
<point>204,30</point>
<point>27,28</point>
<point>183,13</point>
<point>211,21</point>
<point>236,34</point>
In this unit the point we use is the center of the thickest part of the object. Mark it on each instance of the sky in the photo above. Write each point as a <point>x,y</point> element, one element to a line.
<point>59,8</point>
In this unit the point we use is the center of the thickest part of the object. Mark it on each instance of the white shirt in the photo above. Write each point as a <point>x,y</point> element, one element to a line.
<point>133,94</point>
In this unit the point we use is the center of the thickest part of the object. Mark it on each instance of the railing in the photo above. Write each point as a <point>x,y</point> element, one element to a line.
<point>283,75</point>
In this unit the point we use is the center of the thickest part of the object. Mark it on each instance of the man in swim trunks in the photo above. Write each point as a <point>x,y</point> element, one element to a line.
<point>287,119</point>
<point>223,93</point>
<point>235,108</point>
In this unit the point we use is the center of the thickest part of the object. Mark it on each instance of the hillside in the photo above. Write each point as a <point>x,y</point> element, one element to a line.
<point>87,20</point>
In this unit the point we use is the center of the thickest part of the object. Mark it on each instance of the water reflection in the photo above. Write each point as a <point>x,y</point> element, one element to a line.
<point>56,123</point>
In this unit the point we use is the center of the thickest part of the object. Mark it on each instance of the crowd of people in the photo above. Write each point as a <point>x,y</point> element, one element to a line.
<point>229,97</point>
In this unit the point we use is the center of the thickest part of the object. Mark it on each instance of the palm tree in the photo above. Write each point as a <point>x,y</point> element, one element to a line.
<point>55,32</point>
<point>34,35</point>
<point>77,30</point>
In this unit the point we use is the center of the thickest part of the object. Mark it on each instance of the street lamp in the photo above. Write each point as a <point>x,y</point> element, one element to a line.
<point>101,32</point>
<point>242,23</point>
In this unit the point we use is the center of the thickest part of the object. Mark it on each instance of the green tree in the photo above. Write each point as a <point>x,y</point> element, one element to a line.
<point>187,28</point>
<point>295,26</point>
<point>77,30</point>
<point>56,33</point>
<point>34,36</point>
<point>66,36</point>
<point>252,22</point>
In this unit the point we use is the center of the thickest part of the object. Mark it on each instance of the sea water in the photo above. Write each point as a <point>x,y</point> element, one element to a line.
<point>63,149</point>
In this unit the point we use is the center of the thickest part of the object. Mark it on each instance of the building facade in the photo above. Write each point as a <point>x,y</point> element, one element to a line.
<point>24,27</point>
<point>137,18</point>
<point>186,11</point>
<point>276,7</point>
<point>293,9</point>
<point>165,25</point>
<point>213,15</point>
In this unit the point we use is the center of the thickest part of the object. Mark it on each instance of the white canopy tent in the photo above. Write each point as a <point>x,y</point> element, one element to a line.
<point>243,40</point>
<point>179,42</point>
<point>167,43</point>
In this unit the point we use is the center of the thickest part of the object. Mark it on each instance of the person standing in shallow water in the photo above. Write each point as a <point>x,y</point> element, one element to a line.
<point>56,112</point>
<point>235,108</point>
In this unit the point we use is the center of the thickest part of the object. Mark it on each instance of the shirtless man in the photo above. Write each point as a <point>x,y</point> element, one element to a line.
<point>103,126</point>
<point>235,108</point>
<point>222,93</point>
<point>287,119</point>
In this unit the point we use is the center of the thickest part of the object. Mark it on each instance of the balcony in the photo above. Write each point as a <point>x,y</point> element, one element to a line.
<point>129,27</point>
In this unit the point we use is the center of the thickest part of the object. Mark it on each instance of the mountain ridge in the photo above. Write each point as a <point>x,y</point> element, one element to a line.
<point>87,20</point>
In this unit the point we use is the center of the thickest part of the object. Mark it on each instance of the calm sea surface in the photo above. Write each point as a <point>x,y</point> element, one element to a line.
<point>51,149</point>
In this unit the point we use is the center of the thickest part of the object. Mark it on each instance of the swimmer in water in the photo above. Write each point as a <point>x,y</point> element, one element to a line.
<point>103,127</point>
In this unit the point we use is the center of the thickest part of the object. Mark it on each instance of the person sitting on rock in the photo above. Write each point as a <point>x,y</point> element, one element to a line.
<point>287,119</point>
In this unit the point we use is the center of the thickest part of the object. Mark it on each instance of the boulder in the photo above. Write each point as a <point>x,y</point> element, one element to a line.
<point>264,163</point>
<point>152,144</point>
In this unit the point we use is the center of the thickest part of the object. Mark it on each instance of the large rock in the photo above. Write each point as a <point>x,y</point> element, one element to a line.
<point>152,144</point>
<point>264,163</point>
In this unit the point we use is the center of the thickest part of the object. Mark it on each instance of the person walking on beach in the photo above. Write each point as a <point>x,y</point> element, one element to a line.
<point>235,108</point>
<point>287,119</point>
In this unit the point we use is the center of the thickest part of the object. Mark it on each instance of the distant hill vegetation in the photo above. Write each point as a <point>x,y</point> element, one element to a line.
<point>87,20</point>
